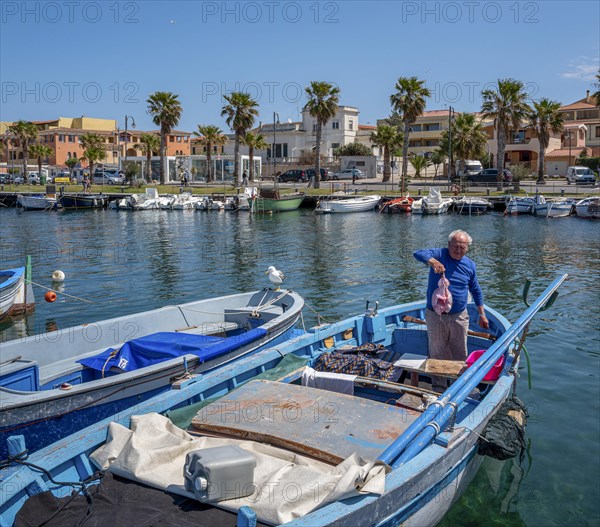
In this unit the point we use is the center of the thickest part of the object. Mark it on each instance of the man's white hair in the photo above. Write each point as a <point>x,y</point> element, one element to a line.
<point>458,232</point>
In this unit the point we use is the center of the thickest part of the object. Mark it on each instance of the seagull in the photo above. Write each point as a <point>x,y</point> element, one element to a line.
<point>275,276</point>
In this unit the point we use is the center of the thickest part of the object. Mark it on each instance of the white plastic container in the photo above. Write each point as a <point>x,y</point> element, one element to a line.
<point>220,473</point>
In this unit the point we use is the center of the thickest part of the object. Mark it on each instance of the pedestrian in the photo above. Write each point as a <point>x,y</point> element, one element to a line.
<point>86,184</point>
<point>244,179</point>
<point>186,179</point>
<point>447,331</point>
<point>353,178</point>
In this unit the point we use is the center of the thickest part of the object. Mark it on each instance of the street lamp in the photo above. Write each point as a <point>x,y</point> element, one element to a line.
<point>275,115</point>
<point>569,133</point>
<point>127,117</point>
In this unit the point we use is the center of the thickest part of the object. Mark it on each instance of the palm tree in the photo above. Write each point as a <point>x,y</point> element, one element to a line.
<point>596,94</point>
<point>23,133</point>
<point>419,163</point>
<point>322,105</point>
<point>437,158</point>
<point>545,119</point>
<point>210,135</point>
<point>40,151</point>
<point>71,162</point>
<point>468,137</point>
<point>240,112</point>
<point>149,143</point>
<point>93,150</point>
<point>409,103</point>
<point>254,142</point>
<point>507,106</point>
<point>386,137</point>
<point>166,111</point>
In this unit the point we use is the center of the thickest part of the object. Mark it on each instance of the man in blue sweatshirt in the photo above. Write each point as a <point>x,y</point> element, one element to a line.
<point>447,332</point>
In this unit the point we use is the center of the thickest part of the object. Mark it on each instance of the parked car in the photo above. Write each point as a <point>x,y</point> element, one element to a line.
<point>109,177</point>
<point>580,174</point>
<point>325,174</point>
<point>489,175</point>
<point>348,173</point>
<point>6,178</point>
<point>297,175</point>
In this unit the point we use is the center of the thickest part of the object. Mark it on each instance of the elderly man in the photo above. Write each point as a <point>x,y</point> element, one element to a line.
<point>447,332</point>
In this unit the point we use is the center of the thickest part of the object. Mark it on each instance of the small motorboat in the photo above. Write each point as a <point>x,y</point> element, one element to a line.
<point>401,204</point>
<point>356,204</point>
<point>520,205</point>
<point>417,206</point>
<point>472,205</point>
<point>435,203</point>
<point>149,200</point>
<point>588,208</point>
<point>82,201</point>
<point>559,208</point>
<point>37,202</point>
<point>16,293</point>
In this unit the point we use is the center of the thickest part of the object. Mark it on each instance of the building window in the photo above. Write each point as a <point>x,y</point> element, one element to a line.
<point>61,138</point>
<point>222,149</point>
<point>518,137</point>
<point>204,149</point>
<point>433,127</point>
<point>71,138</point>
<point>179,139</point>
<point>171,139</point>
<point>314,127</point>
<point>597,131</point>
<point>193,150</point>
<point>335,125</point>
<point>350,124</point>
<point>415,128</point>
<point>334,146</point>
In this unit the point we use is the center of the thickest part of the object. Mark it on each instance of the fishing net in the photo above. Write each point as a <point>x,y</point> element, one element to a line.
<point>504,435</point>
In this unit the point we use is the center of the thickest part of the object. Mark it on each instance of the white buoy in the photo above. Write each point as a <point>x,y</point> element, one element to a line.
<point>58,276</point>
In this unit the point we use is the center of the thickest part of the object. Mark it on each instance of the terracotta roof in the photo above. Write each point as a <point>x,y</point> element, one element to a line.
<point>366,127</point>
<point>564,152</point>
<point>435,113</point>
<point>582,104</point>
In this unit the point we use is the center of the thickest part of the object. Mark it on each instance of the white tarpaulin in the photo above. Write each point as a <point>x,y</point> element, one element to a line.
<point>286,485</point>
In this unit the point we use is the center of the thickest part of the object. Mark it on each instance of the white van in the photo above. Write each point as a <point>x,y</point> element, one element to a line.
<point>467,168</point>
<point>580,175</point>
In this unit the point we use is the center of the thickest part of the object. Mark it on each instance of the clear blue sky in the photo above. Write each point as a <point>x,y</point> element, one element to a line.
<point>102,59</point>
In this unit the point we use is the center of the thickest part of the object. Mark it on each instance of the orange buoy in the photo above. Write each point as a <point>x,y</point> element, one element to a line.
<point>50,296</point>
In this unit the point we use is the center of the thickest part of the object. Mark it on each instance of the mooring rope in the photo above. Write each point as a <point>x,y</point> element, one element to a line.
<point>61,293</point>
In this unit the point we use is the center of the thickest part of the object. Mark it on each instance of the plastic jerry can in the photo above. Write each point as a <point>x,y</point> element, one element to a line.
<point>219,473</point>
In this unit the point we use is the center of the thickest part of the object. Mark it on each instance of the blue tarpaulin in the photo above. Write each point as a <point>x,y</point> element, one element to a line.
<point>159,347</point>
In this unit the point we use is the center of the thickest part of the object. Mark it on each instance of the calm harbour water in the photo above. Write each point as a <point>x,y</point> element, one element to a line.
<point>127,262</point>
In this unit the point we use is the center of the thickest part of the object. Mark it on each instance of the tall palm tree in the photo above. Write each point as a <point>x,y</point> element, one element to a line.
<point>596,94</point>
<point>468,137</point>
<point>166,111</point>
<point>240,112</point>
<point>93,150</point>
<point>409,103</point>
<point>40,152</point>
<point>210,135</point>
<point>544,120</point>
<point>508,107</point>
<point>23,133</point>
<point>254,142</point>
<point>322,105</point>
<point>419,163</point>
<point>386,137</point>
<point>149,143</point>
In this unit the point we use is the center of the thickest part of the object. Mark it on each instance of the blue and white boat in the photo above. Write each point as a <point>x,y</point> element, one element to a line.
<point>520,205</point>
<point>406,454</point>
<point>472,205</point>
<point>16,293</point>
<point>56,383</point>
<point>553,208</point>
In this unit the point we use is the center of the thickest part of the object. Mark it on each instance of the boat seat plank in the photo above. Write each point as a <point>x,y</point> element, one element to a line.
<point>209,328</point>
<point>325,425</point>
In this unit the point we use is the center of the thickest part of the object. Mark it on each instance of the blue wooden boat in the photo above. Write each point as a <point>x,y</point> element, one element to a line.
<point>429,454</point>
<point>56,383</point>
<point>16,293</point>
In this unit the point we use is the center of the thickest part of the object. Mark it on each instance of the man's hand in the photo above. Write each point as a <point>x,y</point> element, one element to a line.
<point>484,322</point>
<point>438,267</point>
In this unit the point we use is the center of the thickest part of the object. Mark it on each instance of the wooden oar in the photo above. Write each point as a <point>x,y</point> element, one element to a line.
<point>408,318</point>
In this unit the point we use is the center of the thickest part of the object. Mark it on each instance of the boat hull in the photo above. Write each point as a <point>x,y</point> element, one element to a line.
<point>83,201</point>
<point>588,208</point>
<point>362,204</point>
<point>16,293</point>
<point>554,210</point>
<point>282,204</point>
<point>36,202</point>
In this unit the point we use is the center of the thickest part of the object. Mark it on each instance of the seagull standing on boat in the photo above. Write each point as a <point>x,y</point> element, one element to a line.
<point>275,276</point>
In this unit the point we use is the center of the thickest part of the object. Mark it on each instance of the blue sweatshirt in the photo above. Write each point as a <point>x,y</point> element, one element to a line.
<point>462,275</point>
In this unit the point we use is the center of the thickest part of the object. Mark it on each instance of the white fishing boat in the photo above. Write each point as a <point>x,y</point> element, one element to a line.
<point>435,203</point>
<point>358,204</point>
<point>37,202</point>
<point>147,201</point>
<point>472,205</point>
<point>184,201</point>
<point>520,205</point>
<point>16,293</point>
<point>588,207</point>
<point>558,208</point>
